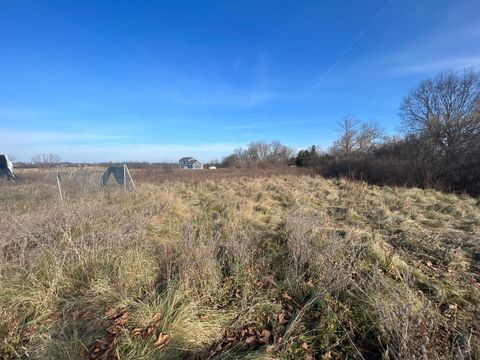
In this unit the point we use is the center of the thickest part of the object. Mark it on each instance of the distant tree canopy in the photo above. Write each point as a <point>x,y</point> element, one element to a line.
<point>259,154</point>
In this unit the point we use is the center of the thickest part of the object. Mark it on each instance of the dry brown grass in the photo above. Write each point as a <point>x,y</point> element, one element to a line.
<point>294,267</point>
<point>157,175</point>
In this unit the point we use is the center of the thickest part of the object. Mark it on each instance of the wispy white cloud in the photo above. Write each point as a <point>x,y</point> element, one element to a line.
<point>444,48</point>
<point>196,94</point>
<point>239,127</point>
<point>77,147</point>
<point>205,87</point>
<point>16,114</point>
<point>437,65</point>
<point>270,123</point>
<point>127,151</point>
<point>22,137</point>
<point>229,97</point>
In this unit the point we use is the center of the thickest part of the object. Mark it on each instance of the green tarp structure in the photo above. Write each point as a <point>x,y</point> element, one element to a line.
<point>6,168</point>
<point>118,173</point>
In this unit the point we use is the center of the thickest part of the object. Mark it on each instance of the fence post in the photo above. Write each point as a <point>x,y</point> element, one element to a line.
<point>124,178</point>
<point>131,179</point>
<point>59,187</point>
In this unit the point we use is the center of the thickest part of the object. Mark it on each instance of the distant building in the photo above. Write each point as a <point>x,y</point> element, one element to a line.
<point>190,163</point>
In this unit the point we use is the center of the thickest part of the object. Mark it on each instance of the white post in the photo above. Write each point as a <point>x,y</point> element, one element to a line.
<point>59,187</point>
<point>131,179</point>
<point>124,178</point>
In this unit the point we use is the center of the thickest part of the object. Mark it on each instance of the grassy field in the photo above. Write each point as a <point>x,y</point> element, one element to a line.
<point>284,267</point>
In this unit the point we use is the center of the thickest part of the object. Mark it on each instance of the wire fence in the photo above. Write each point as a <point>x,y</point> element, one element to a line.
<point>51,185</point>
<point>66,184</point>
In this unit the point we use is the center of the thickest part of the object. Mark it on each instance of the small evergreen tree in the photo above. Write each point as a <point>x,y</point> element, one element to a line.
<point>307,157</point>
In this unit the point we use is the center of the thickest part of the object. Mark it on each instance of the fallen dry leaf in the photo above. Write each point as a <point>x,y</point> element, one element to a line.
<point>281,319</point>
<point>75,314</point>
<point>251,341</point>
<point>259,283</point>
<point>231,336</point>
<point>87,315</point>
<point>110,311</point>
<point>162,340</point>
<point>327,356</point>
<point>157,317</point>
<point>118,324</point>
<point>265,336</point>
<point>136,332</point>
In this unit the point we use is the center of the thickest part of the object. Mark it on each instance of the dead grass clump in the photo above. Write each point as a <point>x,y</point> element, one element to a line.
<point>405,320</point>
<point>198,262</point>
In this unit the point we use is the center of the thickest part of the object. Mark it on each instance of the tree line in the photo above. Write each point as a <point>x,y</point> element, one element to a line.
<point>439,144</point>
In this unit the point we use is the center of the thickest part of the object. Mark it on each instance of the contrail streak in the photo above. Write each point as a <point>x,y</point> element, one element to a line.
<point>349,47</point>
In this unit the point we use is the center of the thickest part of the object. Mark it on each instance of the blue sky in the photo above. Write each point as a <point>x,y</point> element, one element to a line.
<point>157,80</point>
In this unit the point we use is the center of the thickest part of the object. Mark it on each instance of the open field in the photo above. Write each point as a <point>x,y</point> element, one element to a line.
<point>158,174</point>
<point>277,267</point>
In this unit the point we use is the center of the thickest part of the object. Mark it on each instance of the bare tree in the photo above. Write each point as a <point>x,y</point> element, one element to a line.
<point>347,129</point>
<point>355,137</point>
<point>280,153</point>
<point>368,136</point>
<point>260,154</point>
<point>258,151</point>
<point>443,113</point>
<point>46,160</point>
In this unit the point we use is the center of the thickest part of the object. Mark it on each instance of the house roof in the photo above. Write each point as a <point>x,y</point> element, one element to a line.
<point>188,160</point>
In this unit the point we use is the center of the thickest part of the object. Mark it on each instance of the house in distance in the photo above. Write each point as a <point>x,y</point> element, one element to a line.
<point>190,163</point>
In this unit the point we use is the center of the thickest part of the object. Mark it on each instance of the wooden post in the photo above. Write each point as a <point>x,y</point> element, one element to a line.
<point>59,187</point>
